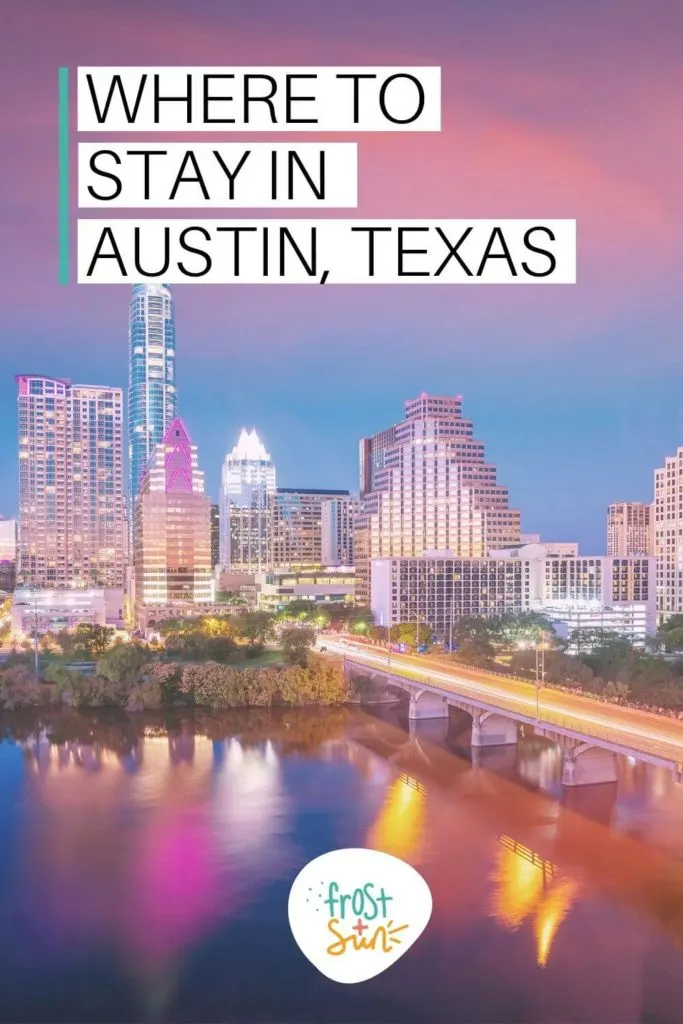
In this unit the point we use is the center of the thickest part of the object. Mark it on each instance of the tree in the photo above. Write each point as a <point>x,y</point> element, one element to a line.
<point>121,664</point>
<point>671,633</point>
<point>215,625</point>
<point>255,627</point>
<point>517,630</point>
<point>477,651</point>
<point>92,638</point>
<point>472,627</point>
<point>412,633</point>
<point>298,609</point>
<point>296,642</point>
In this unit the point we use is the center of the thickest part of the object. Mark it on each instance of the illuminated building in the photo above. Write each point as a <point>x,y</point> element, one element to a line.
<point>173,528</point>
<point>587,592</point>
<point>668,535</point>
<point>151,374</point>
<point>215,536</point>
<point>323,586</point>
<point>8,554</point>
<point>425,486</point>
<point>629,529</point>
<point>45,610</point>
<point>247,481</point>
<point>338,518</point>
<point>71,493</point>
<point>297,526</point>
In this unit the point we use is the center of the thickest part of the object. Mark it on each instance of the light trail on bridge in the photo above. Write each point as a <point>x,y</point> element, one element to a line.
<point>640,731</point>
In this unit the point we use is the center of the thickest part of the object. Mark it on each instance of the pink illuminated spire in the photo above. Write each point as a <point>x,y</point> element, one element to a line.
<point>178,457</point>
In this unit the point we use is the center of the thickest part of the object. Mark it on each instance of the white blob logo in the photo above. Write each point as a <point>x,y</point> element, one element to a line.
<point>355,912</point>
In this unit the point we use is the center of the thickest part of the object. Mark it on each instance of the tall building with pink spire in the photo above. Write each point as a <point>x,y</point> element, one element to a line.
<point>172,535</point>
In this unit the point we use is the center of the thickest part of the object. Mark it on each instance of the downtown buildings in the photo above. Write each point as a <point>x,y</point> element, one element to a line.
<point>172,530</point>
<point>426,486</point>
<point>71,489</point>
<point>574,591</point>
<point>152,399</point>
<point>629,529</point>
<point>8,554</point>
<point>668,535</point>
<point>247,481</point>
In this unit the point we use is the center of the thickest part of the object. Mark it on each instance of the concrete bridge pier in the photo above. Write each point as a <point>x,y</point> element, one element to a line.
<point>425,704</point>
<point>584,765</point>
<point>492,730</point>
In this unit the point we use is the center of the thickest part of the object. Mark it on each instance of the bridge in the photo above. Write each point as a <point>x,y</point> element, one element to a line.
<point>590,733</point>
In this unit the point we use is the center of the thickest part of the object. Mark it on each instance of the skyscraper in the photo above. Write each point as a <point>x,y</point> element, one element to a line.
<point>247,480</point>
<point>215,536</point>
<point>71,494</point>
<point>425,486</point>
<point>8,553</point>
<point>628,529</point>
<point>338,523</point>
<point>151,375</point>
<point>173,527</point>
<point>668,535</point>
<point>296,531</point>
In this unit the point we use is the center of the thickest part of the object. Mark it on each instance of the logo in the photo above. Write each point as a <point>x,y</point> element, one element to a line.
<point>355,912</point>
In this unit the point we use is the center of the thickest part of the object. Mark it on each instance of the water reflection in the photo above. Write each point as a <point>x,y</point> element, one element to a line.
<point>527,886</point>
<point>143,855</point>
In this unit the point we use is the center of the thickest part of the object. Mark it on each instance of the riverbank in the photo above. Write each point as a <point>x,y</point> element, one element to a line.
<point>133,686</point>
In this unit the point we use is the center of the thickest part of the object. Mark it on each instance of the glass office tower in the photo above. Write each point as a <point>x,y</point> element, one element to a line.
<point>151,375</point>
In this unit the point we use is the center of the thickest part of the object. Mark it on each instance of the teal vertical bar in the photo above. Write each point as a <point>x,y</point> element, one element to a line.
<point>63,128</point>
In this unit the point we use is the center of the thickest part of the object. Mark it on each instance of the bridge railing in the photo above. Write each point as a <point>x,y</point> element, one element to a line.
<point>576,690</point>
<point>551,720</point>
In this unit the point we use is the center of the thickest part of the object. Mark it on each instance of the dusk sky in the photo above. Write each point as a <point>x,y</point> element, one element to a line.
<point>549,110</point>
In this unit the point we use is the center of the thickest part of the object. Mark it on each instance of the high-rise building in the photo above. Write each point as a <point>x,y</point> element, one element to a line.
<point>425,486</point>
<point>628,529</point>
<point>247,481</point>
<point>668,535</point>
<point>173,527</point>
<point>296,528</point>
<point>215,536</point>
<point>8,554</point>
<point>151,375</point>
<point>71,492</point>
<point>583,591</point>
<point>338,524</point>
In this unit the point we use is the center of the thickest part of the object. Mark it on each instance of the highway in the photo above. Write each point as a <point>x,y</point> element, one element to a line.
<point>639,731</point>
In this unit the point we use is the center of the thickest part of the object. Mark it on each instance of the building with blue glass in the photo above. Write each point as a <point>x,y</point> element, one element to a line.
<point>151,375</point>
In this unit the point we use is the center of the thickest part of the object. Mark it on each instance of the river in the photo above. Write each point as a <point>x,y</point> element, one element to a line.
<point>145,865</point>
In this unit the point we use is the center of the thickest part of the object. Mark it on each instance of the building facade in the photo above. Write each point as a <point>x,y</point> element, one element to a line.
<point>338,521</point>
<point>629,529</point>
<point>296,526</point>
<point>247,482</point>
<point>71,486</point>
<point>44,611</point>
<point>425,486</point>
<point>173,528</point>
<point>8,554</point>
<point>668,535</point>
<point>151,375</point>
<point>215,536</point>
<point>323,586</point>
<point>588,591</point>
<point>437,590</point>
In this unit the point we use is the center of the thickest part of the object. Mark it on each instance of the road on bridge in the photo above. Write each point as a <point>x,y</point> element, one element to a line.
<point>640,731</point>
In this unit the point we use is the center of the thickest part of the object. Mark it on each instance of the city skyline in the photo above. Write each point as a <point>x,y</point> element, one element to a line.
<point>574,390</point>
